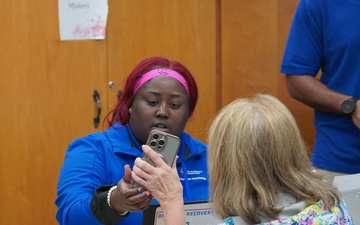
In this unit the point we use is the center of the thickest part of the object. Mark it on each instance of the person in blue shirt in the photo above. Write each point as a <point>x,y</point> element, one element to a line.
<point>321,63</point>
<point>95,184</point>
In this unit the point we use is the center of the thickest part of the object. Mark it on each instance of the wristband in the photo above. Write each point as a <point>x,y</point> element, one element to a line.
<point>113,188</point>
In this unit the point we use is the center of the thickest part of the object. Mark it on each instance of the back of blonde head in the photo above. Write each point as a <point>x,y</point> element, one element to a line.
<point>255,152</point>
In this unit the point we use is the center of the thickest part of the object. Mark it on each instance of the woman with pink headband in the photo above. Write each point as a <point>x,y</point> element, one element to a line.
<point>95,182</point>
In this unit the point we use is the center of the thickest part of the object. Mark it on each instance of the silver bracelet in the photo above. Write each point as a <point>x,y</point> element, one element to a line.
<point>113,188</point>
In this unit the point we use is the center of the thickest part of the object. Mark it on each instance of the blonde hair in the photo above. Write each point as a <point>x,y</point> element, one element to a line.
<point>255,152</point>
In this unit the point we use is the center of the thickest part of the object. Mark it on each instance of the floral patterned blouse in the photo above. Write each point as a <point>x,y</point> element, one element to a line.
<point>316,214</point>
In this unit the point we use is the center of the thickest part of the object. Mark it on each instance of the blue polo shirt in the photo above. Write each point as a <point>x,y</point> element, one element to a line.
<point>325,35</point>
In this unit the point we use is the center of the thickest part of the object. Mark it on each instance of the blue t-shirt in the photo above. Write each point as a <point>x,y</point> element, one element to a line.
<point>99,159</point>
<point>325,35</point>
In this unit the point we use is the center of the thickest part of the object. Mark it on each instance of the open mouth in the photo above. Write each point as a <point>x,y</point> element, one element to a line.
<point>161,127</point>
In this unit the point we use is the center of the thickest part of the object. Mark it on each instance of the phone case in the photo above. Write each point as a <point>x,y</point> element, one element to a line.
<point>167,145</point>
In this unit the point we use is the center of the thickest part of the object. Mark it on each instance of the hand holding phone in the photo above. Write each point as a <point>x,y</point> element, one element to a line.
<point>167,145</point>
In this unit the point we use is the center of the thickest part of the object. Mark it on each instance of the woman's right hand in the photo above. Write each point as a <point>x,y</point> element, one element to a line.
<point>126,198</point>
<point>161,181</point>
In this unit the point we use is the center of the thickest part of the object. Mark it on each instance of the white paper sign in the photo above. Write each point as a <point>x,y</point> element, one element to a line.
<point>82,19</point>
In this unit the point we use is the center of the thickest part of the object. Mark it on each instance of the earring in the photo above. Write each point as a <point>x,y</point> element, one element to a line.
<point>129,110</point>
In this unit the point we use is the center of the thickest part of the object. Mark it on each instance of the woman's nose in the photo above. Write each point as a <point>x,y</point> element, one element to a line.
<point>162,111</point>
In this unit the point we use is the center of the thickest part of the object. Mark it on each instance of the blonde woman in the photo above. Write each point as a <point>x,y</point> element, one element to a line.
<point>259,169</point>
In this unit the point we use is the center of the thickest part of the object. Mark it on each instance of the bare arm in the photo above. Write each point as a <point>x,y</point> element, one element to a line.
<point>315,94</point>
<point>163,183</point>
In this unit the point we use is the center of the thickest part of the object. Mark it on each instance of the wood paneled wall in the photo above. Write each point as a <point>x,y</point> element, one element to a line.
<point>184,30</point>
<point>233,48</point>
<point>253,38</point>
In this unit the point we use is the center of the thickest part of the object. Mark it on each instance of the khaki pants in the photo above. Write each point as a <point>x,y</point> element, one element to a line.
<point>328,175</point>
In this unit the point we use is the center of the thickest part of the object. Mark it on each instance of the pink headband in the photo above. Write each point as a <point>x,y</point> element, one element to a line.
<point>160,72</point>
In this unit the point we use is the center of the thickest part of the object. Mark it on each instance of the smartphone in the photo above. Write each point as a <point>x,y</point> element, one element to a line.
<point>167,145</point>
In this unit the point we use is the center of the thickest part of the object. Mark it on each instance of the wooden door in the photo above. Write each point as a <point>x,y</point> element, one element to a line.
<point>46,101</point>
